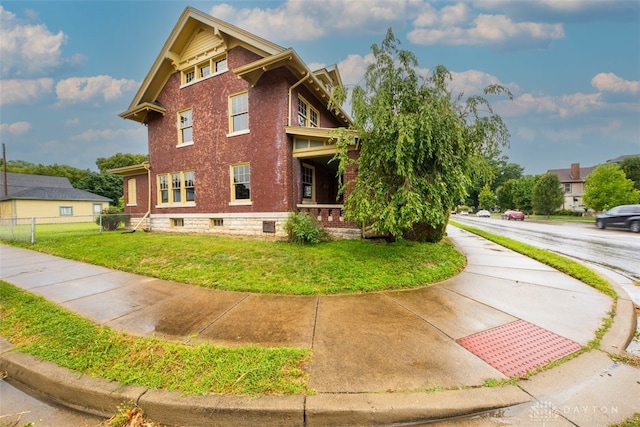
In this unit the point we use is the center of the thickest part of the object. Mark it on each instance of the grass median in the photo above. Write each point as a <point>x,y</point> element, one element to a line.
<point>559,262</point>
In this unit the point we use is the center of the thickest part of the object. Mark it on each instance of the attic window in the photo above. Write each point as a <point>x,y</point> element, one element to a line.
<point>210,67</point>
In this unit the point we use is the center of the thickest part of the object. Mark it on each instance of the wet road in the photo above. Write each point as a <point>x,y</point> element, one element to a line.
<point>615,249</point>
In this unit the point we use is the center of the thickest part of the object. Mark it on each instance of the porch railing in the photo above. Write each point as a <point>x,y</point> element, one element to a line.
<point>329,216</point>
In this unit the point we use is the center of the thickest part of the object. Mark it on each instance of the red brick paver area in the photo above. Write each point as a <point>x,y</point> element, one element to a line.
<point>518,347</point>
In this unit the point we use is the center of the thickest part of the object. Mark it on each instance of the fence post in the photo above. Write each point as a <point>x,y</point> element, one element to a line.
<point>33,230</point>
<point>100,222</point>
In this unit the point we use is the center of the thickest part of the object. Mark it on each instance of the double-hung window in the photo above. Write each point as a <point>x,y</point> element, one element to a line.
<point>241,183</point>
<point>307,115</point>
<point>308,191</point>
<point>163,188</point>
<point>177,188</point>
<point>239,112</point>
<point>190,186</point>
<point>185,127</point>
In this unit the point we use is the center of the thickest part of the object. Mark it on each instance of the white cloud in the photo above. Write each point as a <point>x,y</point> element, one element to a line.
<point>297,20</point>
<point>473,82</point>
<point>563,106</point>
<point>352,69</point>
<point>28,50</point>
<point>89,89</point>
<point>15,129</point>
<point>457,26</point>
<point>72,122</point>
<point>609,82</point>
<point>110,134</point>
<point>16,91</point>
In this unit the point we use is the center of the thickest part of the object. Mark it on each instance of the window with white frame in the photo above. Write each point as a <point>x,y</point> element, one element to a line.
<point>240,183</point>
<point>66,210</point>
<point>307,115</point>
<point>308,190</point>
<point>239,112</point>
<point>177,188</point>
<point>185,127</point>
<point>567,187</point>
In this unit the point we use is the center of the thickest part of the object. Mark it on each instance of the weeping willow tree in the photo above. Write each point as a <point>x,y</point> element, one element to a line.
<point>419,145</point>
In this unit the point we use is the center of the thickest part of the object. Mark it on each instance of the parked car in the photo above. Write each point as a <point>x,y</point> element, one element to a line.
<point>464,213</point>
<point>513,214</point>
<point>624,216</point>
<point>484,214</point>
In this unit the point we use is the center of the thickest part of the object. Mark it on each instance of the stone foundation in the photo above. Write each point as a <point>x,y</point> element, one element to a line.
<point>268,225</point>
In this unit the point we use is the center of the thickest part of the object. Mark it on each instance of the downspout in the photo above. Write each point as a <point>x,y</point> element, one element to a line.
<point>148,168</point>
<point>306,74</point>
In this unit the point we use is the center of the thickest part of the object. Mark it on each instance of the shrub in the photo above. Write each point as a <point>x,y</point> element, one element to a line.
<point>112,218</point>
<point>568,212</point>
<point>302,228</point>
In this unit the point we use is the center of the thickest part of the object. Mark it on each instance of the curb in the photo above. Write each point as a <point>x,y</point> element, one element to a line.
<point>102,398</point>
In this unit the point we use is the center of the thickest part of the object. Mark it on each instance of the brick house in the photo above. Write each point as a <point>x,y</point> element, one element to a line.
<point>572,182</point>
<point>239,136</point>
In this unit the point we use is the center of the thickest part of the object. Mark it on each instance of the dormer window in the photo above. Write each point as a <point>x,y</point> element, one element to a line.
<point>189,76</point>
<point>205,69</point>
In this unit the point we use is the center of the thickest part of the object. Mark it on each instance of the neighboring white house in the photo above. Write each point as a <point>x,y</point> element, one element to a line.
<point>572,182</point>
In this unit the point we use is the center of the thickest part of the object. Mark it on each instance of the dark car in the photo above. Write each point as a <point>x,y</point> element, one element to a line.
<point>625,216</point>
<point>512,214</point>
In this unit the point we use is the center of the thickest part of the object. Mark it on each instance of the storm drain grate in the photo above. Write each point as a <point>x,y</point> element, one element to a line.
<point>518,347</point>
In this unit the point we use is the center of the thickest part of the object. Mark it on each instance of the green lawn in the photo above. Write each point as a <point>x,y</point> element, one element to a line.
<point>251,265</point>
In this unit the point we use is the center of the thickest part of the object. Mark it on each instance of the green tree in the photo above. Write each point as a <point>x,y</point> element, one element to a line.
<point>608,186</point>
<point>500,172</point>
<point>547,194</point>
<point>523,193</point>
<point>505,195</point>
<point>74,175</point>
<point>120,160</point>
<point>103,184</point>
<point>486,198</point>
<point>419,146</point>
<point>631,168</point>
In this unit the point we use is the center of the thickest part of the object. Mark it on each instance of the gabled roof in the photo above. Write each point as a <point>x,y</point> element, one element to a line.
<point>40,187</point>
<point>564,175</point>
<point>189,25</point>
<point>193,27</point>
<point>619,159</point>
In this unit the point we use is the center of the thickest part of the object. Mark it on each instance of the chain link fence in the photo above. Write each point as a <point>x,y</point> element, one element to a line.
<point>30,229</point>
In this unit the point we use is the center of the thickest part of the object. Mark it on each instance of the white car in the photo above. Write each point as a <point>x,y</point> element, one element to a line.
<point>483,214</point>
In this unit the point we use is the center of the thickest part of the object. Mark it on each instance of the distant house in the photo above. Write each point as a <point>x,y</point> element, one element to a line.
<point>52,199</point>
<point>239,134</point>
<point>620,159</point>
<point>572,182</point>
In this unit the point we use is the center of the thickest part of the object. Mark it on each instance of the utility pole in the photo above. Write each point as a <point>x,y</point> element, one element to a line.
<point>4,169</point>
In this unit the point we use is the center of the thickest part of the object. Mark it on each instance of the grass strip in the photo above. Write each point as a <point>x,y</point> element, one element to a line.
<point>559,262</point>
<point>40,328</point>
<point>251,265</point>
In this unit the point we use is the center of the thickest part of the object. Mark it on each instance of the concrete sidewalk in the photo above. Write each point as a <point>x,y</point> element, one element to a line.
<point>371,352</point>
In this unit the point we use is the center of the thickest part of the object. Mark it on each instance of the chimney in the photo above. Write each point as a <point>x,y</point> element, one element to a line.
<point>575,170</point>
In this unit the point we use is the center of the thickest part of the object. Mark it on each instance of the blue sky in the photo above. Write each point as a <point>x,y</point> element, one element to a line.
<point>69,68</point>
